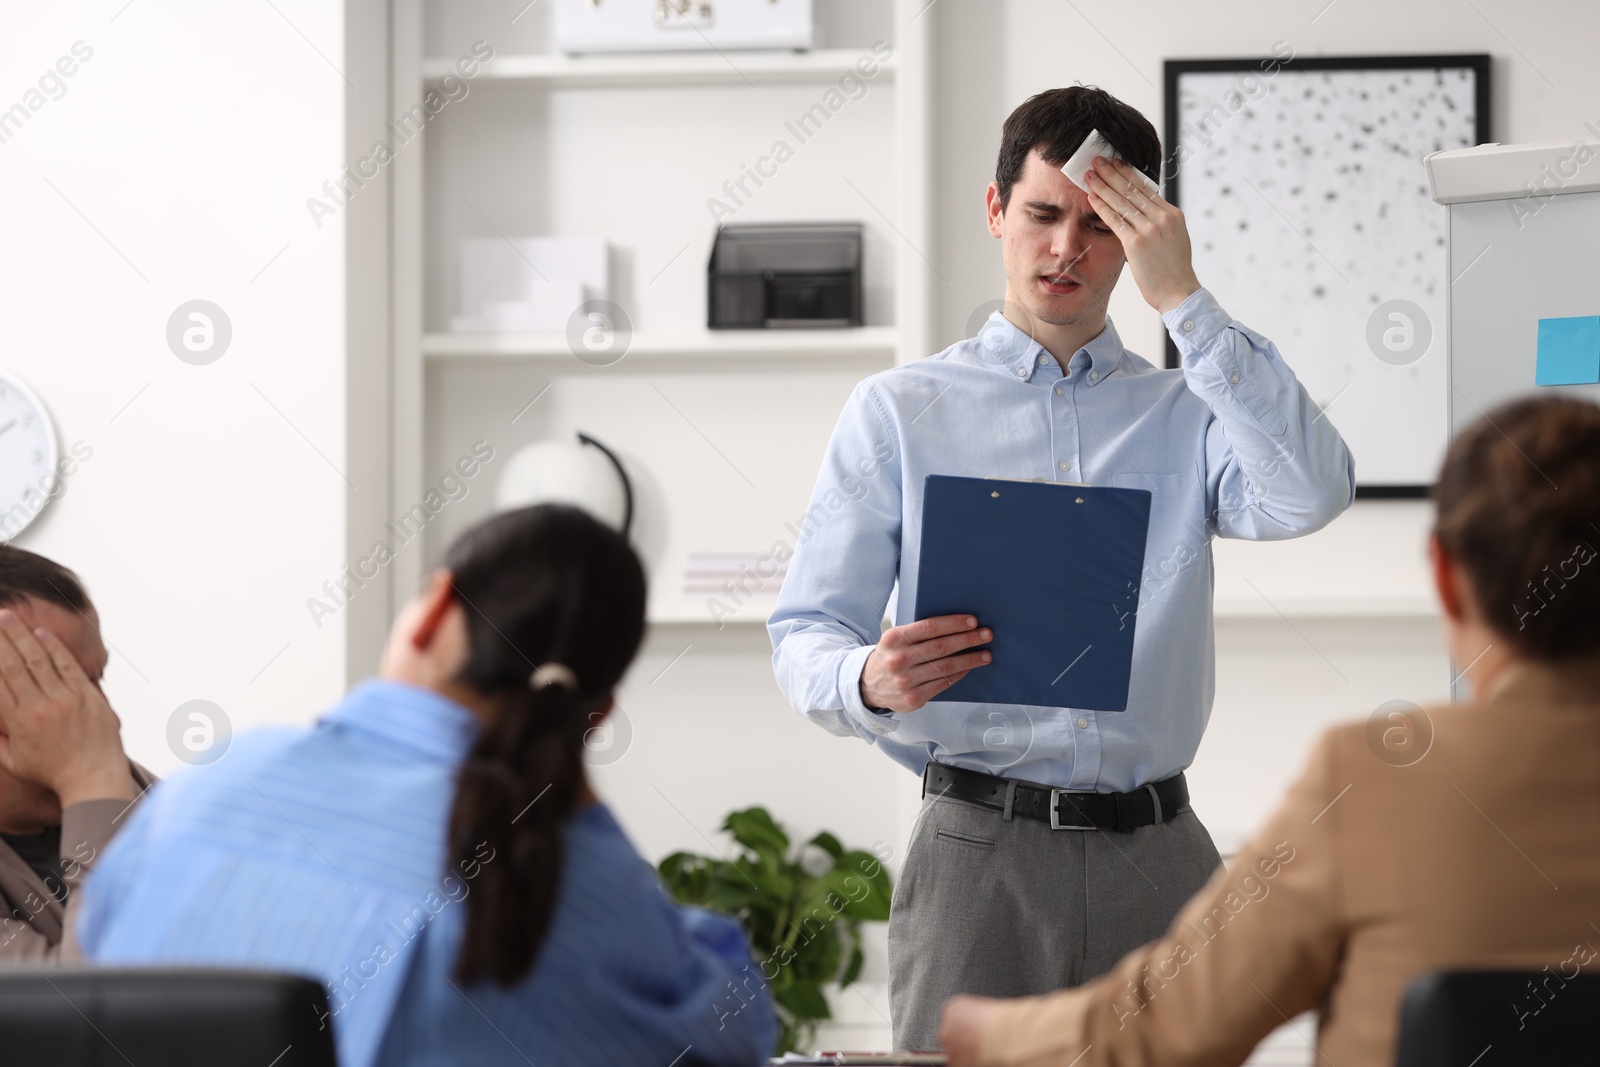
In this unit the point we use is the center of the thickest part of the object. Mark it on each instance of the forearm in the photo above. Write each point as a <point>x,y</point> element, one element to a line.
<point>1260,941</point>
<point>86,829</point>
<point>1280,466</point>
<point>818,668</point>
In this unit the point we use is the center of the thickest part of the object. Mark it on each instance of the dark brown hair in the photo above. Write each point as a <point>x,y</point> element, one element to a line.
<point>538,585</point>
<point>1057,120</point>
<point>1518,506</point>
<point>28,574</point>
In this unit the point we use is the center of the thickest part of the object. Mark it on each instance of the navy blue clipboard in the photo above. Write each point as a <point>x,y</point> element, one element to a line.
<point>1053,569</point>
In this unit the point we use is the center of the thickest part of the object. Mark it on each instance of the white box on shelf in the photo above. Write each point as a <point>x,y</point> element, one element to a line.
<point>681,25</point>
<point>528,284</point>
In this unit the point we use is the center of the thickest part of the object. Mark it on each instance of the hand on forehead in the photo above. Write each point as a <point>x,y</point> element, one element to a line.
<point>78,630</point>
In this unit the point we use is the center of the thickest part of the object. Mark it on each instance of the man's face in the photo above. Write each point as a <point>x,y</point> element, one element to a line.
<point>1061,259</point>
<point>27,807</point>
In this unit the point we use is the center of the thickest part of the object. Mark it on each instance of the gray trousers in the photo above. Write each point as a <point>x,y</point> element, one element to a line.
<point>1010,908</point>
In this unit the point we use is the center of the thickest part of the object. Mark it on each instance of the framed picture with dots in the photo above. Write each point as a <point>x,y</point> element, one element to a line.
<point>1302,183</point>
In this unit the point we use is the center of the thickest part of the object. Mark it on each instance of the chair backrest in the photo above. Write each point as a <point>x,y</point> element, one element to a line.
<point>1546,1018</point>
<point>111,1017</point>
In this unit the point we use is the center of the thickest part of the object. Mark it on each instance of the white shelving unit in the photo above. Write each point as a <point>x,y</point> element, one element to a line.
<point>721,431</point>
<point>655,69</point>
<point>868,342</point>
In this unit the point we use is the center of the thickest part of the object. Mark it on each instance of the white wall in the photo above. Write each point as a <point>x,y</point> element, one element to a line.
<point>176,166</point>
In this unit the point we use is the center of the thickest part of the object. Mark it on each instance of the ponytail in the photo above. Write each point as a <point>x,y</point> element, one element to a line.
<point>519,785</point>
<point>549,586</point>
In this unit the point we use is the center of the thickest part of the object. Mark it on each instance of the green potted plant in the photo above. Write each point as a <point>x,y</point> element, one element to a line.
<point>802,912</point>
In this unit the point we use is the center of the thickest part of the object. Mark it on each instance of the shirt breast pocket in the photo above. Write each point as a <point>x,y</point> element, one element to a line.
<point>1178,537</point>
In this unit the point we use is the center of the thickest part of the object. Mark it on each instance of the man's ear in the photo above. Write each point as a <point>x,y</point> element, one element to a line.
<point>436,601</point>
<point>996,211</point>
<point>1446,580</point>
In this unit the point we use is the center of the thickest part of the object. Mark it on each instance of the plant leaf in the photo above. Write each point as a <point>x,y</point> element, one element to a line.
<point>874,904</point>
<point>843,892</point>
<point>755,830</point>
<point>727,889</point>
<point>829,844</point>
<point>685,875</point>
<point>771,886</point>
<point>817,956</point>
<point>805,1000</point>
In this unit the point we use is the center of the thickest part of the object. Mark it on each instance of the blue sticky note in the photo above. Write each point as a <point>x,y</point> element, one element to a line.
<point>1569,351</point>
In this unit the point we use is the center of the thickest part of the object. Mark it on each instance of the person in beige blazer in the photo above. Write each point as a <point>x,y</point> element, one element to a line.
<point>1457,836</point>
<point>65,781</point>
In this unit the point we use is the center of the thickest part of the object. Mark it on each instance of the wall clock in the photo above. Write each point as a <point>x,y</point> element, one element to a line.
<point>28,456</point>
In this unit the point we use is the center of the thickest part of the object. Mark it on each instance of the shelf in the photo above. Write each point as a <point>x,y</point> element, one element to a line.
<point>669,68</point>
<point>750,613</point>
<point>862,342</point>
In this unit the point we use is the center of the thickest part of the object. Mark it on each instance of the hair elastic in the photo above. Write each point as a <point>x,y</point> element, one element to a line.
<point>553,673</point>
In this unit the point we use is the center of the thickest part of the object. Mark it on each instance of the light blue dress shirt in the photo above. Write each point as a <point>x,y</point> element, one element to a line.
<point>1229,445</point>
<point>322,852</point>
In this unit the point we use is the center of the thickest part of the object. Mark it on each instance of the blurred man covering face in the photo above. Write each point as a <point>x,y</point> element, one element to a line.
<point>64,779</point>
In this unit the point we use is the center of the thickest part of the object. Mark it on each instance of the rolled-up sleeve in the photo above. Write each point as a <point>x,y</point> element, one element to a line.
<point>846,560</point>
<point>1275,466</point>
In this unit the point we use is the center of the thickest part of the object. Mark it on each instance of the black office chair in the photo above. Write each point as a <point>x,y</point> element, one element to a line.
<point>161,1017</point>
<point>1497,1019</point>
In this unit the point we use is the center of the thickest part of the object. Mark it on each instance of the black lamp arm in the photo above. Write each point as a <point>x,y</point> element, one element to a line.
<point>627,486</point>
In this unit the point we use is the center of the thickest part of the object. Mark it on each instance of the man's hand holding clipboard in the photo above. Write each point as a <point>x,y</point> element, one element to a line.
<point>915,662</point>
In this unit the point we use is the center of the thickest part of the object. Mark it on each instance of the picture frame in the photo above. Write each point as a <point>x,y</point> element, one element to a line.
<point>1302,183</point>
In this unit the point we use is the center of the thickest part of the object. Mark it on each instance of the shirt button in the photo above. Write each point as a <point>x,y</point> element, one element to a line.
<point>1043,359</point>
<point>1188,324</point>
<point>1083,724</point>
<point>1064,465</point>
<point>1022,372</point>
<point>1094,376</point>
<point>1060,391</point>
<point>1234,379</point>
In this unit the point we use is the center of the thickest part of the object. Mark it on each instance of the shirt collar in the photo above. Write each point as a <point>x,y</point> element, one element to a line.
<point>406,715</point>
<point>1002,343</point>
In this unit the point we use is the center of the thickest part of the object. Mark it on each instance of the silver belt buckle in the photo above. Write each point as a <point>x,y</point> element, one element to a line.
<point>1055,806</point>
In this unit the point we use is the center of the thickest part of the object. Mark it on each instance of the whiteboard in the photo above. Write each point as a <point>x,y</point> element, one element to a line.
<point>1510,270</point>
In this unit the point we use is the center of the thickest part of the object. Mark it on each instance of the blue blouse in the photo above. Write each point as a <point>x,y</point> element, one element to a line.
<point>322,852</point>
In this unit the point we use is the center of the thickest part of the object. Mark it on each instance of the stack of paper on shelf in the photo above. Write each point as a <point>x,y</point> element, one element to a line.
<point>734,574</point>
<point>528,284</point>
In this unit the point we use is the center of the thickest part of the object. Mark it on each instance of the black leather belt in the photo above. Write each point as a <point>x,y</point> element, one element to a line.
<point>1063,809</point>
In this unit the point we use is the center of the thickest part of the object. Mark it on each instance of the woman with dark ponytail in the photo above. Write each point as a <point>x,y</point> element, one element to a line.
<point>431,849</point>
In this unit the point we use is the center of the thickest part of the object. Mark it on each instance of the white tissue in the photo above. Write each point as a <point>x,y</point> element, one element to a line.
<point>1096,145</point>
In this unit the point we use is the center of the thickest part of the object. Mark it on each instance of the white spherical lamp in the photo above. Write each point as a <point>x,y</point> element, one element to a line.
<point>584,473</point>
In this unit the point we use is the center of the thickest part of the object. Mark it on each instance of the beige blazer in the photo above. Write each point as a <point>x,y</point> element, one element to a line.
<point>34,923</point>
<point>1485,852</point>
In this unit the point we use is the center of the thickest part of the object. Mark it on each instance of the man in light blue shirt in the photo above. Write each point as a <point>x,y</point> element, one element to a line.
<point>1228,445</point>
